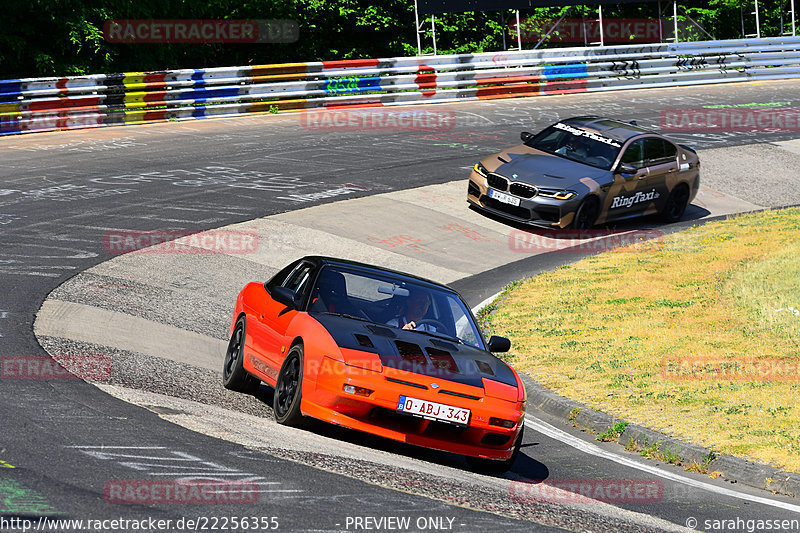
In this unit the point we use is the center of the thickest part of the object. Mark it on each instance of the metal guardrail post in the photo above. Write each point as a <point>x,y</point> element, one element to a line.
<point>416,26</point>
<point>757,34</point>
<point>600,16</point>
<point>433,31</point>
<point>421,31</point>
<point>506,26</point>
<point>758,21</point>
<point>675,17</point>
<point>783,24</point>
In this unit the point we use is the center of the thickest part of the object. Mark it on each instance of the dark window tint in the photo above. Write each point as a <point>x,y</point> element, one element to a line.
<point>670,151</point>
<point>659,151</point>
<point>549,139</point>
<point>634,154</point>
<point>583,146</point>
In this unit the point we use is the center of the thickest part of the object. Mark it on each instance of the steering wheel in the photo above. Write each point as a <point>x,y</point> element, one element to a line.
<point>435,323</point>
<point>603,160</point>
<point>598,160</point>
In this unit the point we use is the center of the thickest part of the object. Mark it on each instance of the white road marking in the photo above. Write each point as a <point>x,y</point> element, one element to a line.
<point>592,449</point>
<point>121,447</point>
<point>200,471</point>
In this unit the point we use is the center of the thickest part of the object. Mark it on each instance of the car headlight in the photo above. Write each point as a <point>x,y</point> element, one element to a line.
<point>480,169</point>
<point>564,195</point>
<point>558,195</point>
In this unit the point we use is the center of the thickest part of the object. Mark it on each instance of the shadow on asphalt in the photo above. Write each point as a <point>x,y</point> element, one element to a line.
<point>525,466</point>
<point>693,212</point>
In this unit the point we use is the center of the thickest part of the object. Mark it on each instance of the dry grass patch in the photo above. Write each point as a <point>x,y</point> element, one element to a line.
<point>694,335</point>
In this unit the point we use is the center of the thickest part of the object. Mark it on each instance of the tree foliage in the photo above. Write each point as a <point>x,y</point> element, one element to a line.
<point>65,37</point>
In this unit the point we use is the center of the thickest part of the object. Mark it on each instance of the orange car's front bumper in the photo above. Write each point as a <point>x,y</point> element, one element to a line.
<point>376,413</point>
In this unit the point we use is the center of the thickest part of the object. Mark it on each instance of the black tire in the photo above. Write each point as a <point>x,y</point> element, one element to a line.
<point>587,213</point>
<point>289,390</point>
<point>676,204</point>
<point>234,376</point>
<point>491,466</point>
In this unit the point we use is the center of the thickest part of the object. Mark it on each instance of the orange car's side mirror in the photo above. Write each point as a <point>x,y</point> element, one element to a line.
<point>285,296</point>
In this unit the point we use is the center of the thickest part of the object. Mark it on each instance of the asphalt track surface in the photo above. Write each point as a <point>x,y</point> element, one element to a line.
<point>61,193</point>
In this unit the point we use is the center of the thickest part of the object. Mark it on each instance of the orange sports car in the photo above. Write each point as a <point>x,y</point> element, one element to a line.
<point>377,351</point>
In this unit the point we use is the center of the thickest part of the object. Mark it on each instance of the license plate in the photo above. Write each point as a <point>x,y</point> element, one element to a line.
<point>503,197</point>
<point>433,410</point>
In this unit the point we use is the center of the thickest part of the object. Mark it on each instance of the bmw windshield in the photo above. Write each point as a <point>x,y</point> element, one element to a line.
<point>582,146</point>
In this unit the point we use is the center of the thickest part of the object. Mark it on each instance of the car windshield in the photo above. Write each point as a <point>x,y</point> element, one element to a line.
<point>583,146</point>
<point>394,301</point>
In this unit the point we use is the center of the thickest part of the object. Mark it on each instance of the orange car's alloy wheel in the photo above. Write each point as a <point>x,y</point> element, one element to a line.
<point>234,376</point>
<point>289,389</point>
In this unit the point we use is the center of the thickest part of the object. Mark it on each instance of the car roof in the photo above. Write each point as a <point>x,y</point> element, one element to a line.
<point>334,261</point>
<point>609,127</point>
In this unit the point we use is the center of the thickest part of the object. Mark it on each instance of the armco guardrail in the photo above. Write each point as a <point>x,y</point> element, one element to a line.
<point>44,104</point>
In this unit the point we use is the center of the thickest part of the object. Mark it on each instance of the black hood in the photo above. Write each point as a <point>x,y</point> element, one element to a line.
<point>417,352</point>
<point>548,171</point>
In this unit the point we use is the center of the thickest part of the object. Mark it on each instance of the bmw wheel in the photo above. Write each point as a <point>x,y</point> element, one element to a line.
<point>587,213</point>
<point>676,204</point>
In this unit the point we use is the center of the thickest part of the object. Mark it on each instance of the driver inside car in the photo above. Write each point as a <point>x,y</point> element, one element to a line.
<point>414,310</point>
<point>574,148</point>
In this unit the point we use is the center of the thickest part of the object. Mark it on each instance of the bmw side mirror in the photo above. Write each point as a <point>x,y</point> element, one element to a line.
<point>526,136</point>
<point>627,170</point>
<point>285,296</point>
<point>499,344</point>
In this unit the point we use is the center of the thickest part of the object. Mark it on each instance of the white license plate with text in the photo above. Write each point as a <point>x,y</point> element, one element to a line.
<point>437,411</point>
<point>503,197</point>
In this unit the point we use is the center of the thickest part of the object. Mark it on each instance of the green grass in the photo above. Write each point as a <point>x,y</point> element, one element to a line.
<point>612,433</point>
<point>769,292</point>
<point>694,335</point>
